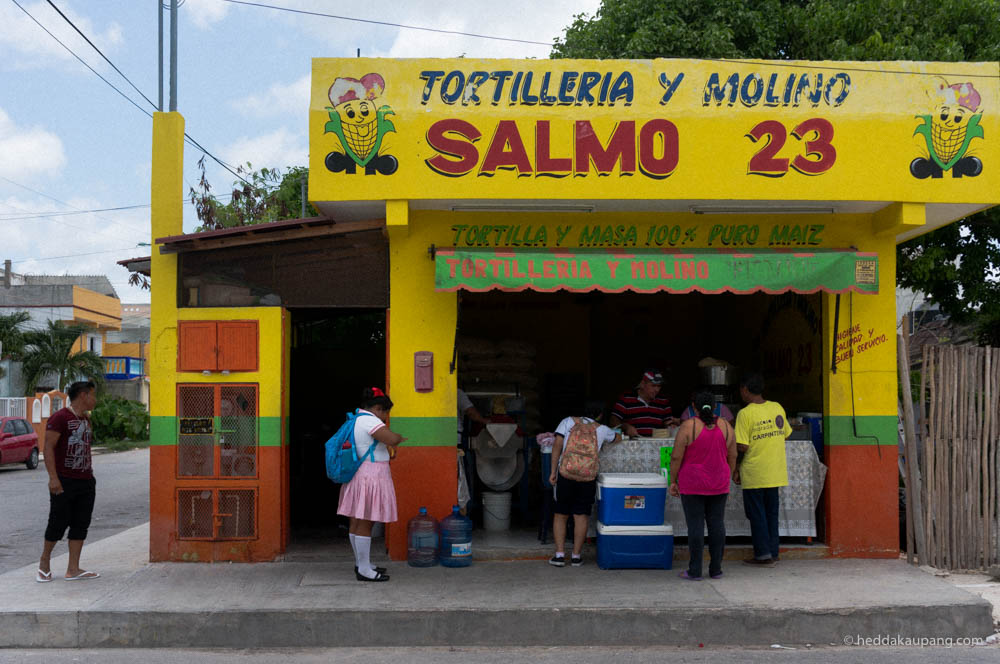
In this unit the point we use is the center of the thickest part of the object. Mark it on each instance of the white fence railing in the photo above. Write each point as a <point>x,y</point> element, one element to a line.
<point>13,407</point>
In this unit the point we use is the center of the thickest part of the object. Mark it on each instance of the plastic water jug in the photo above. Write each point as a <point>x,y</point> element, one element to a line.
<point>422,540</point>
<point>456,539</point>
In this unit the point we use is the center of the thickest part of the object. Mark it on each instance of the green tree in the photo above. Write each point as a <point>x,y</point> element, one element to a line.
<point>11,336</point>
<point>50,351</point>
<point>956,265</point>
<point>261,196</point>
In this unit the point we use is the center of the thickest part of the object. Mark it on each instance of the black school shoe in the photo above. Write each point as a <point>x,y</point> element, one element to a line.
<point>379,576</point>
<point>558,561</point>
<point>577,561</point>
<point>757,562</point>
<point>380,570</point>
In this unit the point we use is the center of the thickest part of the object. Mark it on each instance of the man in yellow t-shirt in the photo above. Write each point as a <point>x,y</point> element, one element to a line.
<point>761,429</point>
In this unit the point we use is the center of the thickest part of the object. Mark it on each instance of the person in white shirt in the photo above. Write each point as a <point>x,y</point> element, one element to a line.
<point>573,496</point>
<point>370,495</point>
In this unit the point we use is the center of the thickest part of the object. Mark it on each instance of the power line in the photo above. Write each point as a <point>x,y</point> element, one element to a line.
<point>52,258</point>
<point>24,215</point>
<point>387,23</point>
<point>45,215</point>
<point>94,46</point>
<point>43,195</point>
<point>187,136</point>
<point>110,84</point>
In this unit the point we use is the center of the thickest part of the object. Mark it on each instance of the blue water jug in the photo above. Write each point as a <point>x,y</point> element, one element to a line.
<point>456,539</point>
<point>422,540</point>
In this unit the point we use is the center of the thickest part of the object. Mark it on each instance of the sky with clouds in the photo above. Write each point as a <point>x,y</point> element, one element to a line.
<point>69,143</point>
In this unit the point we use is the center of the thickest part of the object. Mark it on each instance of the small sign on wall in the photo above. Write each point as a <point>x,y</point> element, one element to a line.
<point>423,371</point>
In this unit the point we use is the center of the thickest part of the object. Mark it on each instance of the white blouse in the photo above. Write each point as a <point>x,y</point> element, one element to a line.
<point>364,426</point>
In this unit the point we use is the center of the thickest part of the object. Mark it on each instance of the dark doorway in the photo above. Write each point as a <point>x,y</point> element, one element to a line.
<point>335,354</point>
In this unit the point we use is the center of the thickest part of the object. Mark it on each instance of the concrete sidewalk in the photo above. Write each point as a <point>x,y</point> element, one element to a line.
<point>145,605</point>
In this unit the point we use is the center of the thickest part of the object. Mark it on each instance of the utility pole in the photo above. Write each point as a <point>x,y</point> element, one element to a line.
<point>159,53</point>
<point>173,55</point>
<point>302,179</point>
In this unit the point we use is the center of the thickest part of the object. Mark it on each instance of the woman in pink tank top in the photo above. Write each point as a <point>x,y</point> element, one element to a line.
<point>703,460</point>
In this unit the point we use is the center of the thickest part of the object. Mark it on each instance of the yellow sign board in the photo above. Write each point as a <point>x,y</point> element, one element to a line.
<point>653,129</point>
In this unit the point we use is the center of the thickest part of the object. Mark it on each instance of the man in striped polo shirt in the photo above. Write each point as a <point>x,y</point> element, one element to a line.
<point>643,410</point>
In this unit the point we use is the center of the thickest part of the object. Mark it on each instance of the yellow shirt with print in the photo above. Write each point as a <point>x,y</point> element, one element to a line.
<point>763,427</point>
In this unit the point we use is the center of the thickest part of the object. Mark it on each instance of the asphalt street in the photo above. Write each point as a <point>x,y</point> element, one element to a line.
<point>824,655</point>
<point>122,503</point>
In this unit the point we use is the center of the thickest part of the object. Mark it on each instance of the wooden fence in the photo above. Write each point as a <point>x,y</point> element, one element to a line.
<point>952,520</point>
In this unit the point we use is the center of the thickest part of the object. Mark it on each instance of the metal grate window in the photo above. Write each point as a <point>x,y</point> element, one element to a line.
<point>238,513</point>
<point>195,401</point>
<point>196,438</point>
<point>194,514</point>
<point>238,430</point>
<point>196,455</point>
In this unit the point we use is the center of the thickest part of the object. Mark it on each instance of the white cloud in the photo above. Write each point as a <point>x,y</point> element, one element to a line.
<point>26,45</point>
<point>280,99</point>
<point>28,150</point>
<point>73,244</point>
<point>204,13</point>
<point>278,149</point>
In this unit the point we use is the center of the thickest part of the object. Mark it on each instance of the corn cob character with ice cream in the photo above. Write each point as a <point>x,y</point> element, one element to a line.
<point>359,125</point>
<point>949,131</point>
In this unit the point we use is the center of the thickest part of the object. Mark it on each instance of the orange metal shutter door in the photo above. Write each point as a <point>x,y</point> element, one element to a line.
<point>238,345</point>
<point>196,345</point>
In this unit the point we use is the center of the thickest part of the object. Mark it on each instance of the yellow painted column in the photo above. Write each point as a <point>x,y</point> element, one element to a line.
<point>860,407</point>
<point>419,319</point>
<point>166,218</point>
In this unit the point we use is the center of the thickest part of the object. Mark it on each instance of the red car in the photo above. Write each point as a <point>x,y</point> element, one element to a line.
<point>18,442</point>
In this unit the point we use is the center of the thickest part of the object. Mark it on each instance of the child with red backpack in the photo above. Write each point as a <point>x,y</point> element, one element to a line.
<point>574,477</point>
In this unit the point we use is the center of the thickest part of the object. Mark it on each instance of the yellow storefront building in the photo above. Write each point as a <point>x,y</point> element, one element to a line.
<point>606,215</point>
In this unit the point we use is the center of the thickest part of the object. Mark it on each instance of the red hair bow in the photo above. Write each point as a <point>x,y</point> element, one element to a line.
<point>377,392</point>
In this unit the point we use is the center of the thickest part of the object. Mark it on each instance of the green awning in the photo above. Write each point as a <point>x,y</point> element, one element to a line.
<point>615,271</point>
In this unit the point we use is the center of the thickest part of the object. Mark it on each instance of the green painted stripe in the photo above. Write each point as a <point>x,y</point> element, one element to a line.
<point>163,431</point>
<point>871,430</point>
<point>426,431</point>
<point>269,432</point>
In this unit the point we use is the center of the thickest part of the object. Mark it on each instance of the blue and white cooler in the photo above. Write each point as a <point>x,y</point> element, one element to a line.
<point>635,547</point>
<point>631,499</point>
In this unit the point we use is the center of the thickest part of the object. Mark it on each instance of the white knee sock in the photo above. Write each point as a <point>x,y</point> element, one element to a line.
<point>354,548</point>
<point>363,548</point>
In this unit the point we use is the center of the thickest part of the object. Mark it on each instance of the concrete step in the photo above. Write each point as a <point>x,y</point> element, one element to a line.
<point>139,604</point>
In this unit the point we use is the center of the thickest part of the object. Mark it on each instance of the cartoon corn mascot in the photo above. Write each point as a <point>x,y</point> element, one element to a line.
<point>948,132</point>
<point>360,126</point>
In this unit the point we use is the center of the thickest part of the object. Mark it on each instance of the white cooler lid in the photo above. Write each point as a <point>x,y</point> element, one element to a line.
<point>665,529</point>
<point>622,480</point>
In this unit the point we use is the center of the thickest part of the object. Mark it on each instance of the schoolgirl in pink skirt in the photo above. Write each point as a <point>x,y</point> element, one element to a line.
<point>370,495</point>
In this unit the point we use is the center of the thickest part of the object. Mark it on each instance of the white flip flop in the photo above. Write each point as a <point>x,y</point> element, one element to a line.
<point>83,576</point>
<point>43,577</point>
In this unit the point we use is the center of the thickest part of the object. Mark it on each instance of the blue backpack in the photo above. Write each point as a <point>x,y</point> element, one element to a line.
<point>342,460</point>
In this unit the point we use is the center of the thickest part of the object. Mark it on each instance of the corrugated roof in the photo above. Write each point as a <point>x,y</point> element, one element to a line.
<point>276,231</point>
<point>95,282</point>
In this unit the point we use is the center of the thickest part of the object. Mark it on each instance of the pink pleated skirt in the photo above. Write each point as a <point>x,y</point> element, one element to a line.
<point>370,495</point>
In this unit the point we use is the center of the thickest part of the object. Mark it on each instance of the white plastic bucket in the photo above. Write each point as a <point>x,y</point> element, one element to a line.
<point>496,510</point>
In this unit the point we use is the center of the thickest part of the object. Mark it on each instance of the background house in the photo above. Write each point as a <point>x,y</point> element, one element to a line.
<point>126,355</point>
<point>88,300</point>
